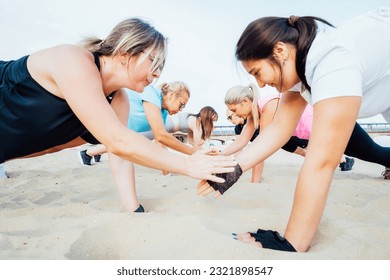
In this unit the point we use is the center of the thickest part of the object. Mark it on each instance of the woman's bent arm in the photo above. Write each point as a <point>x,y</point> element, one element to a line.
<point>241,140</point>
<point>78,80</point>
<point>332,127</point>
<point>162,136</point>
<point>276,134</point>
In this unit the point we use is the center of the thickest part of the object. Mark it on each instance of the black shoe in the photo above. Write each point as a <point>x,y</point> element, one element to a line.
<point>348,164</point>
<point>84,158</point>
<point>97,158</point>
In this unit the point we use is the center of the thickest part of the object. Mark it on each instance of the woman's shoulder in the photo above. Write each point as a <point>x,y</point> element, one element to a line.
<point>65,53</point>
<point>266,95</point>
<point>191,120</point>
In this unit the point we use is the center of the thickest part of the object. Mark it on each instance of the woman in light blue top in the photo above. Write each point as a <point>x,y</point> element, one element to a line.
<point>137,119</point>
<point>148,111</point>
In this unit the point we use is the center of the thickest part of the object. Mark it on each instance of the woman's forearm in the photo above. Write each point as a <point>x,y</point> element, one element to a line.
<point>322,158</point>
<point>140,150</point>
<point>309,203</point>
<point>236,146</point>
<point>267,143</point>
<point>136,148</point>
<point>172,142</point>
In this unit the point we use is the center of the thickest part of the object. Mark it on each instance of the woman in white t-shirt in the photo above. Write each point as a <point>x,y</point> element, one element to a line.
<point>345,75</point>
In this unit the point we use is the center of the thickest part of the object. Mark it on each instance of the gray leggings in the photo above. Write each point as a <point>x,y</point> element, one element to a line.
<point>170,126</point>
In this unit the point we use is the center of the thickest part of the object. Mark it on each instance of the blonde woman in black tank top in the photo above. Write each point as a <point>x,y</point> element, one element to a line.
<point>68,79</point>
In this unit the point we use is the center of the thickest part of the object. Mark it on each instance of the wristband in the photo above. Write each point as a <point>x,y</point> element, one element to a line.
<point>272,240</point>
<point>230,179</point>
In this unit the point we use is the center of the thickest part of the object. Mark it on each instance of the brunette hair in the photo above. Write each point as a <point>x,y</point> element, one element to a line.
<point>205,120</point>
<point>260,36</point>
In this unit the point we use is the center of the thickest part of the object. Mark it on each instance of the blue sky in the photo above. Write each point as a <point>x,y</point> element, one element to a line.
<point>202,34</point>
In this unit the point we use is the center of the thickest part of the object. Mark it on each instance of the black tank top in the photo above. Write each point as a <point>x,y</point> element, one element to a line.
<point>31,118</point>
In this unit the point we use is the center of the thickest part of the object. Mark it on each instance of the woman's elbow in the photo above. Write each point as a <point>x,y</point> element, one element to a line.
<point>161,138</point>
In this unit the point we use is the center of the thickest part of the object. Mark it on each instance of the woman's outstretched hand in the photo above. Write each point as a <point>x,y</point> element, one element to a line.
<point>202,165</point>
<point>206,187</point>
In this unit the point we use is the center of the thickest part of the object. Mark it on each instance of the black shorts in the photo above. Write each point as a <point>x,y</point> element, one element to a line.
<point>294,143</point>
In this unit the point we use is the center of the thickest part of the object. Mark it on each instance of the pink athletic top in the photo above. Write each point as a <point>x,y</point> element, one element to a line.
<point>303,129</point>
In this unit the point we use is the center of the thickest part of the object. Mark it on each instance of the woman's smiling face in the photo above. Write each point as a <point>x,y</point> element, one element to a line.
<point>264,71</point>
<point>278,72</point>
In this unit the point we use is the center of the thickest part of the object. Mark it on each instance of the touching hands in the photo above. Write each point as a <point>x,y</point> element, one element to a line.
<point>206,187</point>
<point>202,165</point>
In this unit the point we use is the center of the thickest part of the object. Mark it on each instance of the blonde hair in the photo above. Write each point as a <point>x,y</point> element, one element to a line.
<point>237,94</point>
<point>131,36</point>
<point>177,87</point>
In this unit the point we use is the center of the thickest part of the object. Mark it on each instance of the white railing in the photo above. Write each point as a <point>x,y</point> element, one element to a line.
<point>376,127</point>
<point>228,130</point>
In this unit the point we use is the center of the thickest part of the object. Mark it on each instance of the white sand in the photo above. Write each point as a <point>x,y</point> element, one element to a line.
<point>54,208</point>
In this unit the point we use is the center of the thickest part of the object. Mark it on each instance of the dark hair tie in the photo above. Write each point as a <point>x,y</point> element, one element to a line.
<point>292,20</point>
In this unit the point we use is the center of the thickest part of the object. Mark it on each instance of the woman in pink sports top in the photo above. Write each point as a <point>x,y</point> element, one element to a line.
<point>303,129</point>
<point>242,102</point>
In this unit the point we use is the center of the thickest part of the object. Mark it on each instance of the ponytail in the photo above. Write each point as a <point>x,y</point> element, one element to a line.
<point>307,29</point>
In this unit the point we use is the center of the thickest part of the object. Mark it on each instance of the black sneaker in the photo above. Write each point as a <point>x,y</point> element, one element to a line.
<point>347,164</point>
<point>97,158</point>
<point>84,158</point>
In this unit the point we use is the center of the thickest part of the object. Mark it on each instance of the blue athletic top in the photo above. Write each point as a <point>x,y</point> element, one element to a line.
<point>31,118</point>
<point>137,118</point>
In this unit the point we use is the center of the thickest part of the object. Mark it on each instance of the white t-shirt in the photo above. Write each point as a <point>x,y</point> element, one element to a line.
<point>353,60</point>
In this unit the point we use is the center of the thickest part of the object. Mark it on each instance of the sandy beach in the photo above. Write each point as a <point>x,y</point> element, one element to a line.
<point>52,207</point>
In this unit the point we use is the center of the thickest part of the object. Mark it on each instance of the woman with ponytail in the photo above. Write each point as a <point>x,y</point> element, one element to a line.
<point>59,97</point>
<point>344,73</point>
<point>241,103</point>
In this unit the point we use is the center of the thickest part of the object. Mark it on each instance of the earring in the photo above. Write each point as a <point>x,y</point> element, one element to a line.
<point>284,62</point>
<point>123,62</point>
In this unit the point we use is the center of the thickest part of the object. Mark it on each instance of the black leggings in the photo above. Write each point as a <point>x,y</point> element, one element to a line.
<point>360,146</point>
